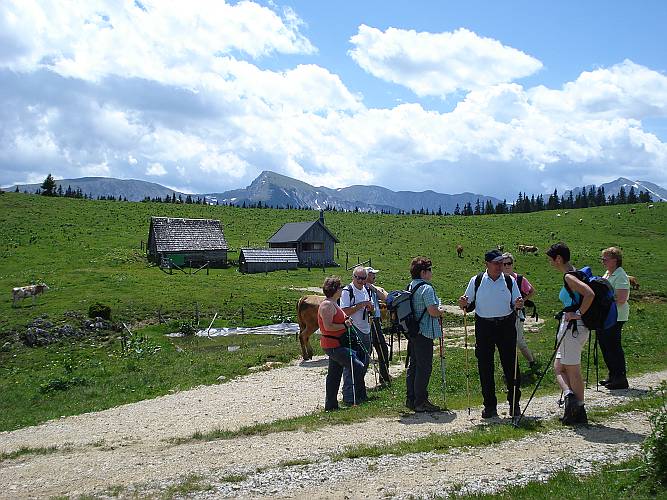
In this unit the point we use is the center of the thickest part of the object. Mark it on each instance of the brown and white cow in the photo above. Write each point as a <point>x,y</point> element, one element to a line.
<point>524,249</point>
<point>459,251</point>
<point>23,292</point>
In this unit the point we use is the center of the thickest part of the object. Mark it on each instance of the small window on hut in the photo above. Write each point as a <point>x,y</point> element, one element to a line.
<point>316,246</point>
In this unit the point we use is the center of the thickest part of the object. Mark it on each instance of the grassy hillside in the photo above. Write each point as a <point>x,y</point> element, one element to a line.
<point>89,251</point>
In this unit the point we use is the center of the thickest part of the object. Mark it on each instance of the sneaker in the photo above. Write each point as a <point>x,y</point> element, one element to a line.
<point>619,383</point>
<point>489,412</point>
<point>410,404</point>
<point>427,406</point>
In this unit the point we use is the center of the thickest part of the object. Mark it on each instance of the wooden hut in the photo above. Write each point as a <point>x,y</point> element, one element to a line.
<point>187,242</point>
<point>264,260</point>
<point>313,242</point>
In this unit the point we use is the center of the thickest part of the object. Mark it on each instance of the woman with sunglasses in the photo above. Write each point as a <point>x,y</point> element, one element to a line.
<point>610,340</point>
<point>527,292</point>
<point>333,324</point>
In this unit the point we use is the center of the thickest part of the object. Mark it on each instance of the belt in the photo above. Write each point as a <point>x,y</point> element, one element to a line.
<point>498,319</point>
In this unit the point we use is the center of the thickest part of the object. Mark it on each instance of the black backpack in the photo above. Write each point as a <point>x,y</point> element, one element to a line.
<point>478,281</point>
<point>602,314</point>
<point>401,308</point>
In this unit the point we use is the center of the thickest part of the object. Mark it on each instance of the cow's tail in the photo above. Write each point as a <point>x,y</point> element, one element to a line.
<point>299,319</point>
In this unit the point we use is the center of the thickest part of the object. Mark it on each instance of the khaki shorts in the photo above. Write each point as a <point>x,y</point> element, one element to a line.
<point>569,352</point>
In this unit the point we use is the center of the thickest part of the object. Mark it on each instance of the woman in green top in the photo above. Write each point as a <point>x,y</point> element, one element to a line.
<point>610,340</point>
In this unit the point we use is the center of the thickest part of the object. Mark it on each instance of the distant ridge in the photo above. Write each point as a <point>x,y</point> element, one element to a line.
<point>273,189</point>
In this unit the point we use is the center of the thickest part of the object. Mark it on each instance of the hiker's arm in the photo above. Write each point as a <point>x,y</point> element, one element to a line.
<point>381,292</point>
<point>434,311</point>
<point>470,291</point>
<point>587,295</point>
<point>622,296</point>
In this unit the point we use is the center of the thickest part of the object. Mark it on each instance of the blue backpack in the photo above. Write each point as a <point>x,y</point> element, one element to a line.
<point>603,313</point>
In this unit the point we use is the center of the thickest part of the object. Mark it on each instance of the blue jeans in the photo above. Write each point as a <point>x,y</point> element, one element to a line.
<point>359,373</point>
<point>340,358</point>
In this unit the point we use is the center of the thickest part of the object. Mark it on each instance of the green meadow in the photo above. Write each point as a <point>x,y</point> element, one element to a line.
<point>91,251</point>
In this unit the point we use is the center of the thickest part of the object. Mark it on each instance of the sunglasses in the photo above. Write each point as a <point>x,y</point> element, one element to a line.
<point>508,263</point>
<point>360,278</point>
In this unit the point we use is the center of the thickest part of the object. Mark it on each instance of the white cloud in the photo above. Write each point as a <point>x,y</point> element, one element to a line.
<point>156,169</point>
<point>438,63</point>
<point>131,160</point>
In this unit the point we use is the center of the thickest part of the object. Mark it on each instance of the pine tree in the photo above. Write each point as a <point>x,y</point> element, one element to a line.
<point>49,186</point>
<point>457,210</point>
<point>622,198</point>
<point>632,196</point>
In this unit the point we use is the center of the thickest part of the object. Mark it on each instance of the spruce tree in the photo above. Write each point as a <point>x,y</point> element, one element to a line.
<point>49,186</point>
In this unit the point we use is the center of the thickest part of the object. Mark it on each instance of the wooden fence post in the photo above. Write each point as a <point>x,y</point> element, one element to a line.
<point>242,315</point>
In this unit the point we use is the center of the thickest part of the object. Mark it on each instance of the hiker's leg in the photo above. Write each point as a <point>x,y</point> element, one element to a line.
<point>410,374</point>
<point>484,351</point>
<point>336,363</point>
<point>521,341</point>
<point>423,356</point>
<point>506,342</point>
<point>612,351</point>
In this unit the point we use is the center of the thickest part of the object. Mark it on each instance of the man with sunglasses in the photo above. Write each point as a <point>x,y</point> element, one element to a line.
<point>357,304</point>
<point>495,297</point>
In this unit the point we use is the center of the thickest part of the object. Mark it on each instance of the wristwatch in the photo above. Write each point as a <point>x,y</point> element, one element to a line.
<point>578,313</point>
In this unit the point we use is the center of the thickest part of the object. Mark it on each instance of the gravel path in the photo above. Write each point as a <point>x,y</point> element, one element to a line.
<point>127,445</point>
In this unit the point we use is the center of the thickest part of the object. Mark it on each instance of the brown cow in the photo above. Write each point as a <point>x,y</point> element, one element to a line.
<point>459,251</point>
<point>23,292</point>
<point>633,282</point>
<point>306,314</point>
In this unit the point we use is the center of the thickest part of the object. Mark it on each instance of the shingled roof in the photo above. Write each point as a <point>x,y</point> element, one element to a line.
<point>293,231</point>
<point>177,235</point>
<point>260,255</point>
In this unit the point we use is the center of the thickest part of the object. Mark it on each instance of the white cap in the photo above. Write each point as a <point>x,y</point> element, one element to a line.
<point>371,270</point>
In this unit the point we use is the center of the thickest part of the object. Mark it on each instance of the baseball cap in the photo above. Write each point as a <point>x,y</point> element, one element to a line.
<point>371,270</point>
<point>493,256</point>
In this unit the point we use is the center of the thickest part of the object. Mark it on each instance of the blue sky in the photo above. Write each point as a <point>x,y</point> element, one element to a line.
<point>489,97</point>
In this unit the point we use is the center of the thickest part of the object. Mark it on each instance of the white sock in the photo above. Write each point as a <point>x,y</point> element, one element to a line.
<point>569,391</point>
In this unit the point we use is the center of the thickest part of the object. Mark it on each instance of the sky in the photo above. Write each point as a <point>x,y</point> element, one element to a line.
<point>201,96</point>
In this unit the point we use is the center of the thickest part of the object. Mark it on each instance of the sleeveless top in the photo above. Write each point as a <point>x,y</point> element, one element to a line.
<point>326,342</point>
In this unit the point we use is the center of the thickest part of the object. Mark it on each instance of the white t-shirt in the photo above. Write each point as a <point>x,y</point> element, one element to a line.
<point>493,297</point>
<point>359,318</point>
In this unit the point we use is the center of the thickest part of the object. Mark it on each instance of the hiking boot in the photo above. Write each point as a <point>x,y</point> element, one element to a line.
<point>617,383</point>
<point>580,416</point>
<point>410,404</point>
<point>427,406</point>
<point>489,412</point>
<point>570,409</point>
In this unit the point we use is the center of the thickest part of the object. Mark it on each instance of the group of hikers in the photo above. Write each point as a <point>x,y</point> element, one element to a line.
<point>350,326</point>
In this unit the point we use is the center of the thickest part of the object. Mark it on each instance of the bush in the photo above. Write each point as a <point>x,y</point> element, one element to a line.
<point>98,310</point>
<point>187,329</point>
<point>655,445</point>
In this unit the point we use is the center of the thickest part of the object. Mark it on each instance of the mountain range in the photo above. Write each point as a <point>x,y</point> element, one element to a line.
<point>278,190</point>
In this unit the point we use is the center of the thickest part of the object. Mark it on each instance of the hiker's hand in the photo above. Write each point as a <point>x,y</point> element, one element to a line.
<point>519,303</point>
<point>569,316</point>
<point>348,321</point>
<point>368,305</point>
<point>463,301</point>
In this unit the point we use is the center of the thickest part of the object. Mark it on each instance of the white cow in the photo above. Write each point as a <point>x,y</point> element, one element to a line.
<point>22,292</point>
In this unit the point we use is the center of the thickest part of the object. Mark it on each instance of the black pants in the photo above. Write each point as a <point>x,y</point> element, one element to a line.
<point>488,335</point>
<point>420,352</point>
<point>381,349</point>
<point>612,351</point>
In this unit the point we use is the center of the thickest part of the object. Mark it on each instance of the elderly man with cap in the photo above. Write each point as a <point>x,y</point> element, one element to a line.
<point>495,297</point>
<point>356,303</point>
<point>376,294</point>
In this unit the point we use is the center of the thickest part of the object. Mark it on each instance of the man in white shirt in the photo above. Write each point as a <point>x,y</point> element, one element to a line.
<point>376,294</point>
<point>357,304</point>
<point>495,297</point>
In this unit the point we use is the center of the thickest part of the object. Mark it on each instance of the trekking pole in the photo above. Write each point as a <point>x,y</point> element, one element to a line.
<point>465,330</point>
<point>588,360</point>
<point>373,360</point>
<point>354,389</point>
<point>595,361</point>
<point>516,369</point>
<point>546,369</point>
<point>442,364</point>
<point>381,344</point>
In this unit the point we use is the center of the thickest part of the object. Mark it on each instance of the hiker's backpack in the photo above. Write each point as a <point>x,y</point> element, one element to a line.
<point>401,308</point>
<point>602,314</point>
<point>526,303</point>
<point>353,300</point>
<point>478,281</point>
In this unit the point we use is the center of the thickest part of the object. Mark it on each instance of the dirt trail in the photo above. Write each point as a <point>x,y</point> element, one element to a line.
<point>127,445</point>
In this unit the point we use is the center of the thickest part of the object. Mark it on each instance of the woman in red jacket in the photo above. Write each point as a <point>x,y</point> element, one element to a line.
<point>333,328</point>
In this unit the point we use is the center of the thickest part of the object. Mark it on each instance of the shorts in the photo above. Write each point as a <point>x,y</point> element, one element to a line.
<point>569,352</point>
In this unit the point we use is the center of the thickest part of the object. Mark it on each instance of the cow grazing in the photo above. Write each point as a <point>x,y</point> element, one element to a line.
<point>633,282</point>
<point>618,214</point>
<point>632,210</point>
<point>459,251</point>
<point>524,249</point>
<point>581,220</point>
<point>23,292</point>
<point>557,215</point>
<point>651,205</point>
<point>553,235</point>
<point>500,247</point>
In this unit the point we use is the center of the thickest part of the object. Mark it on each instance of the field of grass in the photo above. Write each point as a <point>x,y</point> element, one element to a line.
<point>90,251</point>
